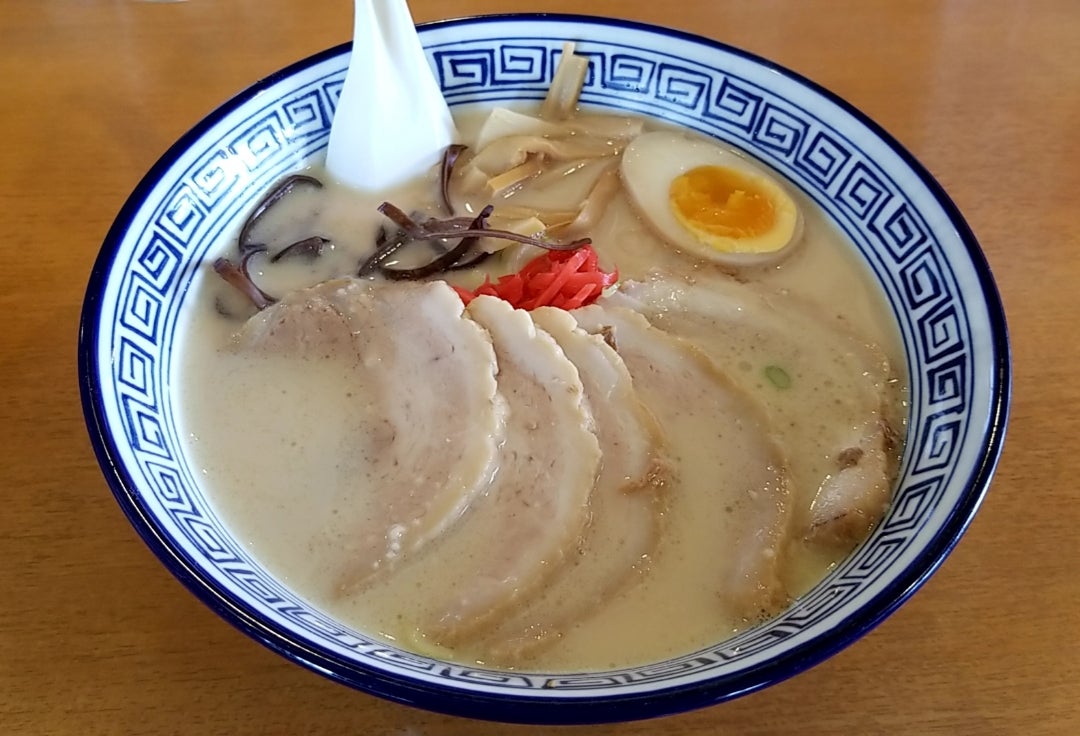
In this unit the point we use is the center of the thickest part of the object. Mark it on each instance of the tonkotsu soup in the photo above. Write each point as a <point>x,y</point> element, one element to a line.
<point>645,401</point>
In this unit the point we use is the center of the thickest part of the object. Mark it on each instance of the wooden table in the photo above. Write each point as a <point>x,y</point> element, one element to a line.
<point>97,638</point>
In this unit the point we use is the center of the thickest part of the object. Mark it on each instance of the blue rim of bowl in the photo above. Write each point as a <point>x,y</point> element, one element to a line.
<point>515,707</point>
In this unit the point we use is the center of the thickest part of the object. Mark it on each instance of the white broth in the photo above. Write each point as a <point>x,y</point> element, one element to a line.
<point>274,436</point>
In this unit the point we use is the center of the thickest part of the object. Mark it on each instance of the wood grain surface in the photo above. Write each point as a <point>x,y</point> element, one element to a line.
<point>97,638</point>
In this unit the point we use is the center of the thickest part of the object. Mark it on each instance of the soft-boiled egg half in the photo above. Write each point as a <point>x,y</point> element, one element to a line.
<point>708,200</point>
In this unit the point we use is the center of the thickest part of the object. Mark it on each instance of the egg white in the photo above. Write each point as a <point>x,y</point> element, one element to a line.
<point>654,160</point>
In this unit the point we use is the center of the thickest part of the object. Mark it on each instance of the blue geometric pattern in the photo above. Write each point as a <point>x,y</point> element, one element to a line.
<point>779,131</point>
<point>862,192</point>
<point>213,181</point>
<point>823,157</point>
<point>200,199</point>
<point>682,87</point>
<point>898,230</point>
<point>735,106</point>
<point>629,73</point>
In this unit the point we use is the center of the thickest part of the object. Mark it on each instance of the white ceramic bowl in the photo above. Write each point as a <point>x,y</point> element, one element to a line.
<point>905,228</point>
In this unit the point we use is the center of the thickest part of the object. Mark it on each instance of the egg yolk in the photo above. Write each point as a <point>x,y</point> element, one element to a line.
<point>721,202</point>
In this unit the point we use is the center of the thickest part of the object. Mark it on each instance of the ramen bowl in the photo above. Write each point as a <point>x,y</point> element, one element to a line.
<point>904,228</point>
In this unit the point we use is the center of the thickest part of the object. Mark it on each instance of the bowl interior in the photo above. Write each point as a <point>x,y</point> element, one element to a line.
<point>907,231</point>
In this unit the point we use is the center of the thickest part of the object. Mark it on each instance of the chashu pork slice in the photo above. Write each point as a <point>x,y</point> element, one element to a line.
<point>530,522</point>
<point>406,467</point>
<point>625,506</point>
<point>827,393</point>
<point>727,468</point>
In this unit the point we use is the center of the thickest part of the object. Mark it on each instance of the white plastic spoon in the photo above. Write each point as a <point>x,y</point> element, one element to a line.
<point>392,123</point>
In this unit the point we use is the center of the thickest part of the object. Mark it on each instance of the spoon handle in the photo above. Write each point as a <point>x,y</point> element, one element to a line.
<point>391,123</point>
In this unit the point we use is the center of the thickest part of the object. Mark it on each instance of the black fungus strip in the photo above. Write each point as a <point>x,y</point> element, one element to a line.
<point>283,187</point>
<point>446,260</point>
<point>239,278</point>
<point>507,235</point>
<point>397,216</point>
<point>467,262</point>
<point>309,248</point>
<point>450,157</point>
<point>386,244</point>
<point>434,229</point>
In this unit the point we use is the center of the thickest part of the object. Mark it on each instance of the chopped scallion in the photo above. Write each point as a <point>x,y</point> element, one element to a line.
<point>778,376</point>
